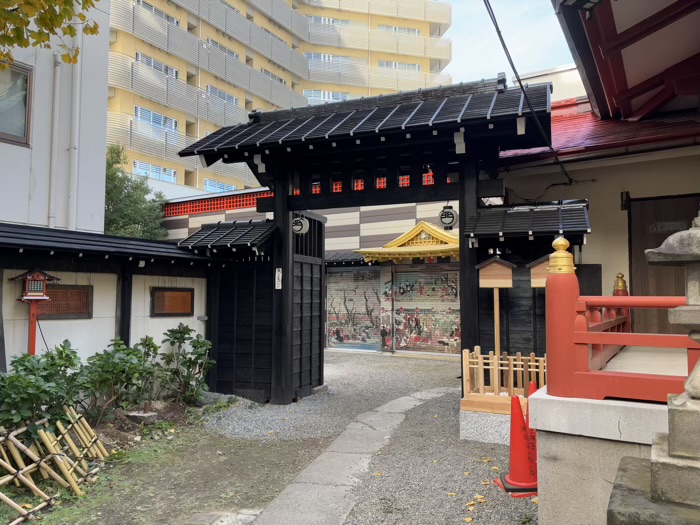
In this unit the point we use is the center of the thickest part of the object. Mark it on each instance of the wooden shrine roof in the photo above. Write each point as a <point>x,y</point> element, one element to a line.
<point>422,241</point>
<point>234,236</point>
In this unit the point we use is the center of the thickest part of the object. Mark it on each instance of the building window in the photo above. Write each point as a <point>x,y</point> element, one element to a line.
<point>326,20</point>
<point>271,75</point>
<point>154,172</point>
<point>320,96</point>
<point>316,188</point>
<point>404,181</point>
<point>381,183</point>
<point>15,103</point>
<point>157,65</point>
<point>156,119</point>
<point>337,187</point>
<point>401,66</point>
<point>328,57</point>
<point>229,52</point>
<point>428,179</point>
<point>168,302</point>
<point>215,92</point>
<point>158,12</point>
<point>399,30</point>
<point>67,302</point>
<point>358,184</point>
<point>218,187</point>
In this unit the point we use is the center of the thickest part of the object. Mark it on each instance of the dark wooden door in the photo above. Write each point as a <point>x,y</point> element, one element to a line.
<point>651,222</point>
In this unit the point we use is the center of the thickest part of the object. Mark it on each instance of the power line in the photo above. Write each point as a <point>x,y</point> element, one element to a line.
<point>569,179</point>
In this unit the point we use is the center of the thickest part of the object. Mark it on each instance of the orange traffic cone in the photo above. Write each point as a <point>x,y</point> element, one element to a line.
<point>521,480</point>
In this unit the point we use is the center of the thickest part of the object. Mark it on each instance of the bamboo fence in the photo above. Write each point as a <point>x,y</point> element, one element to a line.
<point>491,380</point>
<point>69,457</point>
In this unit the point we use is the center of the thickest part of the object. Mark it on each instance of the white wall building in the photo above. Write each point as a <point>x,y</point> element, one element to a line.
<point>53,121</point>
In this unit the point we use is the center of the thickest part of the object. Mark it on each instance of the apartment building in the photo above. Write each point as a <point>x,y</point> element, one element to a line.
<point>180,69</point>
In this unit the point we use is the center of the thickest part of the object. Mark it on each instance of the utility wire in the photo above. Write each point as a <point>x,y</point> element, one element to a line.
<point>569,179</point>
<point>42,335</point>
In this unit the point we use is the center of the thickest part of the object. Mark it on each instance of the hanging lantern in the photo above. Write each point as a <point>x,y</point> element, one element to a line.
<point>300,225</point>
<point>448,217</point>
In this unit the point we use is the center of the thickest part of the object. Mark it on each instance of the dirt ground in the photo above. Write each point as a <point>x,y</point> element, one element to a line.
<point>164,482</point>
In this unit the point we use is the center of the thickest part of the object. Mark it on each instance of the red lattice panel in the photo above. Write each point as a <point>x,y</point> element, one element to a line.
<point>358,184</point>
<point>337,187</point>
<point>428,179</point>
<point>381,183</point>
<point>404,181</point>
<point>66,301</point>
<point>316,188</point>
<point>224,203</point>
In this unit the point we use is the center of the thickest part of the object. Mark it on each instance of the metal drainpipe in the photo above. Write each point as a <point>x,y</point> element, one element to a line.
<point>75,137</point>
<point>53,166</point>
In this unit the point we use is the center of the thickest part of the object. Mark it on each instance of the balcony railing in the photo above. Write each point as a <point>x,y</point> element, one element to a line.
<point>363,38</point>
<point>124,130</point>
<point>362,75</point>
<point>181,43</point>
<point>282,14</point>
<point>126,73</point>
<point>427,10</point>
<point>228,20</point>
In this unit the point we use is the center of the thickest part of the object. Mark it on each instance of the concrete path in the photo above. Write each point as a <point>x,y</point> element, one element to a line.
<point>321,494</point>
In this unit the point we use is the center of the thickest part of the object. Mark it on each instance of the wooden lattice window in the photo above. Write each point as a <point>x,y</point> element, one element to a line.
<point>337,187</point>
<point>169,302</point>
<point>67,302</point>
<point>381,183</point>
<point>316,188</point>
<point>358,184</point>
<point>404,181</point>
<point>428,179</point>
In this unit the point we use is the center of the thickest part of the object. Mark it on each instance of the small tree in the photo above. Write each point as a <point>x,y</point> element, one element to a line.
<point>129,212</point>
<point>34,22</point>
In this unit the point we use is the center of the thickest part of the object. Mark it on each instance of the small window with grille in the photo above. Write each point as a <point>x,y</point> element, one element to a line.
<point>170,302</point>
<point>358,184</point>
<point>404,181</point>
<point>381,183</point>
<point>337,186</point>
<point>67,302</point>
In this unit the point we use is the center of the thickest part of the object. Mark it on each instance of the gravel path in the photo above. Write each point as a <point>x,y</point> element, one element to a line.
<point>419,477</point>
<point>357,382</point>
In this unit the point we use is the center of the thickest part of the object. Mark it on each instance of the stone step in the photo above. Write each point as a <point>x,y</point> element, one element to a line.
<point>673,479</point>
<point>631,503</point>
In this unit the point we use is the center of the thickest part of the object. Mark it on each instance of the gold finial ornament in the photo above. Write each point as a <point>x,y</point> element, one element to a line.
<point>561,261</point>
<point>620,283</point>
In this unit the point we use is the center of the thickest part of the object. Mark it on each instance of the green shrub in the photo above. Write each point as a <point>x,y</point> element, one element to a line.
<point>189,361</point>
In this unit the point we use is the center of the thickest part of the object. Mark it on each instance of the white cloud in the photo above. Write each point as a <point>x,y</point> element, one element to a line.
<point>529,27</point>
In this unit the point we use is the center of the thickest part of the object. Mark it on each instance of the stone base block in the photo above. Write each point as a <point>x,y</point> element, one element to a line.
<point>631,503</point>
<point>674,480</point>
<point>684,425</point>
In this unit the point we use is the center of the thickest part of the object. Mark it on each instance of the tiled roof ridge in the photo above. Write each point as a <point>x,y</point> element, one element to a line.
<point>463,88</point>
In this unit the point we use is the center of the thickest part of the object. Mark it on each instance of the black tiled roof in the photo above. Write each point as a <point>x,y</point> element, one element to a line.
<point>334,258</point>
<point>566,217</point>
<point>433,107</point>
<point>37,238</point>
<point>237,235</point>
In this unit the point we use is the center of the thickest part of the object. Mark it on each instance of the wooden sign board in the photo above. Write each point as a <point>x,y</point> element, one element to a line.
<point>538,272</point>
<point>495,273</point>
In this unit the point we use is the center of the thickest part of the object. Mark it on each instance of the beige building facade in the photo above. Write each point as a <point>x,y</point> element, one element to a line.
<point>181,69</point>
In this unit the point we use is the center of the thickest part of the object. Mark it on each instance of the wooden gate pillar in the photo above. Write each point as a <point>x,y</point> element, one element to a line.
<point>468,274</point>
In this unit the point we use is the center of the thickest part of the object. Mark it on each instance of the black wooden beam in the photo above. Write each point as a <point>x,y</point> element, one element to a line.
<point>125,291</point>
<point>282,298</point>
<point>468,274</point>
<point>212,326</point>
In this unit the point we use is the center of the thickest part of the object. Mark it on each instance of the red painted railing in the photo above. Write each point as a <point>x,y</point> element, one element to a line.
<point>584,333</point>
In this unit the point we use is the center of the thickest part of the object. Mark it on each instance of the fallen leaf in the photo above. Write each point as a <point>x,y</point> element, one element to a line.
<point>435,461</point>
<point>471,504</point>
<point>451,494</point>
<point>435,417</point>
<point>495,468</point>
<point>270,432</point>
<point>486,460</point>
<point>479,496</point>
<point>470,509</point>
<point>378,474</point>
<point>485,482</point>
<point>481,501</point>
<point>535,500</point>
<point>26,506</point>
<point>466,473</point>
<point>468,520</point>
<point>171,430</point>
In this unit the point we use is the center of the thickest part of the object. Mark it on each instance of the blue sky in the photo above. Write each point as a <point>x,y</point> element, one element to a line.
<point>529,27</point>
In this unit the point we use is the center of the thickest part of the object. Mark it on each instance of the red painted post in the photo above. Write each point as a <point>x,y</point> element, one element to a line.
<point>562,292</point>
<point>33,306</point>
<point>620,289</point>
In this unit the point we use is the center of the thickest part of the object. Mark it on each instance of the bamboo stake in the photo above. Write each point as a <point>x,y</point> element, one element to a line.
<point>497,320</point>
<point>511,375</point>
<point>14,505</point>
<point>3,454</point>
<point>42,464</point>
<point>480,372</point>
<point>36,450</point>
<point>60,464</point>
<point>88,430</point>
<point>465,371</point>
<point>71,445</point>
<point>17,457</point>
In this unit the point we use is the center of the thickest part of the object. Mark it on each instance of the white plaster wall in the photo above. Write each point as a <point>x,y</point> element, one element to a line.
<point>143,324</point>
<point>24,171</point>
<point>566,82</point>
<point>88,336</point>
<point>608,242</point>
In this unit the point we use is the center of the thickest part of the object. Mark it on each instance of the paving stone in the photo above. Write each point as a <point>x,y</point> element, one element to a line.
<point>335,468</point>
<point>401,404</point>
<point>385,421</point>
<point>308,504</point>
<point>435,392</point>
<point>357,441</point>
<point>631,503</point>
